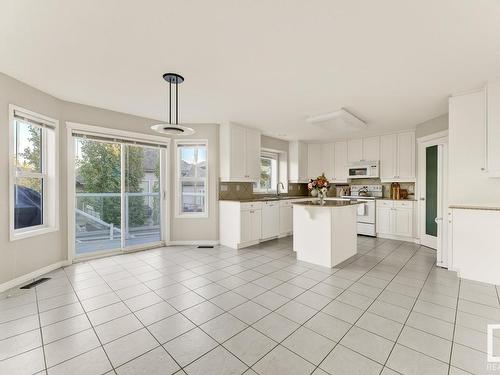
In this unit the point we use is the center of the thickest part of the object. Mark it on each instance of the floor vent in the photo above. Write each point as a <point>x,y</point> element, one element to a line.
<point>205,247</point>
<point>35,283</point>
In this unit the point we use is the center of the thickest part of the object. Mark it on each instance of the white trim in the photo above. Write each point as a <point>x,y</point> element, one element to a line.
<point>127,135</point>
<point>177,200</point>
<point>433,136</point>
<point>50,175</point>
<point>193,243</point>
<point>18,281</point>
<point>399,238</point>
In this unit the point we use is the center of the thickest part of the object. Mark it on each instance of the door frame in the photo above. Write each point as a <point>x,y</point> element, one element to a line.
<point>439,139</point>
<point>70,180</point>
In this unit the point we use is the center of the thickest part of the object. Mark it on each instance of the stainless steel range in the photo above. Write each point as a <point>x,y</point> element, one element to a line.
<point>366,211</point>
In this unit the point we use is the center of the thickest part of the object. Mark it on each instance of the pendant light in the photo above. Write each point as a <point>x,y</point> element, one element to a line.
<point>173,128</point>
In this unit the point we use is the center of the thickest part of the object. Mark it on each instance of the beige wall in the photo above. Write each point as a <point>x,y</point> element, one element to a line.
<point>432,126</point>
<point>27,255</point>
<point>274,143</point>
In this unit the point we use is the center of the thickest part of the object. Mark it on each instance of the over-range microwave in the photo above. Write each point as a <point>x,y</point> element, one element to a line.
<point>363,169</point>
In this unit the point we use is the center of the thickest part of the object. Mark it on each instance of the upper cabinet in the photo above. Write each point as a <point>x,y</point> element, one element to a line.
<point>327,160</point>
<point>371,148</point>
<point>298,161</point>
<point>493,129</point>
<point>340,162</point>
<point>397,157</point>
<point>354,150</point>
<point>314,160</point>
<point>363,149</point>
<point>239,153</point>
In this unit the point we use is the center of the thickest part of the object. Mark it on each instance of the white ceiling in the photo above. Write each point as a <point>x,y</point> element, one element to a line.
<point>266,64</point>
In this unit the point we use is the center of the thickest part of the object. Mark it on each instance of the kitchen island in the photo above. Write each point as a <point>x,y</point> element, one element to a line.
<point>325,234</point>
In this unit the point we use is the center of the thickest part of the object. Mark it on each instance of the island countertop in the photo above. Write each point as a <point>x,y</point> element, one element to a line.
<point>327,204</point>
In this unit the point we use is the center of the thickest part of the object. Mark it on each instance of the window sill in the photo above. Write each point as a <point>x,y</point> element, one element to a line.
<point>191,216</point>
<point>27,233</point>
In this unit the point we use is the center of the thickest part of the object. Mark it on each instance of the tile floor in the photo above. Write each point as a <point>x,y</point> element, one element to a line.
<point>181,310</point>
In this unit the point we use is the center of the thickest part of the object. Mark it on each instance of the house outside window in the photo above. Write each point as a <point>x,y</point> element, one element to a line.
<point>192,179</point>
<point>269,172</point>
<point>33,173</point>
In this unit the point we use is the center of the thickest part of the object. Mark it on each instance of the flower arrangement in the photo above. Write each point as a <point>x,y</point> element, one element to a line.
<point>319,187</point>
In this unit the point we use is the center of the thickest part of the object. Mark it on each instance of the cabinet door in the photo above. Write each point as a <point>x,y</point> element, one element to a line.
<point>403,222</point>
<point>327,160</point>
<point>245,226</point>
<point>237,152</point>
<point>252,154</point>
<point>286,219</point>
<point>303,156</point>
<point>354,150</point>
<point>388,150</point>
<point>314,160</point>
<point>371,148</point>
<point>340,162</point>
<point>255,225</point>
<point>493,130</point>
<point>406,156</point>
<point>384,220</point>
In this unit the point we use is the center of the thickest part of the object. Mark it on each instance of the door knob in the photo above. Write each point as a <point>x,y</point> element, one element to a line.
<point>438,219</point>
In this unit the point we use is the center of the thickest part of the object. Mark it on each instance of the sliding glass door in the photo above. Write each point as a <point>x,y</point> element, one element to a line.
<point>118,200</point>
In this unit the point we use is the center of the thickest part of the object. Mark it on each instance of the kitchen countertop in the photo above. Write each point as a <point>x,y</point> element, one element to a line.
<point>267,199</point>
<point>397,200</point>
<point>327,204</point>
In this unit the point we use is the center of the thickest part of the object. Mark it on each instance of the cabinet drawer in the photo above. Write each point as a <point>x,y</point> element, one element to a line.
<point>287,203</point>
<point>251,206</point>
<point>399,204</point>
<point>385,203</point>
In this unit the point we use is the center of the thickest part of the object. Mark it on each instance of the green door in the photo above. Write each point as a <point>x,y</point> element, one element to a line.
<point>431,190</point>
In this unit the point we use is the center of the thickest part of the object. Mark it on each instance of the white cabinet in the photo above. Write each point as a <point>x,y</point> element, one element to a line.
<point>340,162</point>
<point>354,150</point>
<point>493,129</point>
<point>270,219</point>
<point>240,224</point>
<point>286,218</point>
<point>298,161</point>
<point>395,218</point>
<point>314,167</point>
<point>371,148</point>
<point>397,157</point>
<point>239,153</point>
<point>327,160</point>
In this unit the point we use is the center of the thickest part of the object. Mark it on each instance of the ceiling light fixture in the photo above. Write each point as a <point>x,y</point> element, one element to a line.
<point>173,128</point>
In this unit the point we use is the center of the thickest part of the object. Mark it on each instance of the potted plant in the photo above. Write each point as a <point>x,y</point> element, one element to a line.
<point>319,187</point>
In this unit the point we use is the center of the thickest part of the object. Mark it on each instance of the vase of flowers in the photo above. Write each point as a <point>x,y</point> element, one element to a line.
<point>319,187</point>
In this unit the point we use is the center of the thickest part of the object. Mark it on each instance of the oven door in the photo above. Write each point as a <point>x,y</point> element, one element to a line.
<point>366,211</point>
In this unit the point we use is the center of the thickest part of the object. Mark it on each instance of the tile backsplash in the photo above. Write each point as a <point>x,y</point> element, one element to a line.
<point>244,190</point>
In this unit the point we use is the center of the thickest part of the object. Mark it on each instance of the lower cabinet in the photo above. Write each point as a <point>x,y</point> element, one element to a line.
<point>251,225</point>
<point>395,218</point>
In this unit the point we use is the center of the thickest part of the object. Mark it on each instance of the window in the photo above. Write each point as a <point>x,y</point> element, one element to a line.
<point>269,173</point>
<point>192,185</point>
<point>33,173</point>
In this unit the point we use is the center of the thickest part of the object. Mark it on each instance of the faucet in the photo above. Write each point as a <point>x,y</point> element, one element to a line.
<point>278,188</point>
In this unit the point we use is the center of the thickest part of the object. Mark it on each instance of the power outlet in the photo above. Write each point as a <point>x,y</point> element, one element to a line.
<point>237,187</point>
<point>223,187</point>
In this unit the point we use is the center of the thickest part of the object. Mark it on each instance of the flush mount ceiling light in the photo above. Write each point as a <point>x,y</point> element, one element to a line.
<point>340,120</point>
<point>173,128</point>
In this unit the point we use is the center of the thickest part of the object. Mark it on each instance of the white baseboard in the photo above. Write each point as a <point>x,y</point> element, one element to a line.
<point>193,243</point>
<point>32,275</point>
<point>399,238</point>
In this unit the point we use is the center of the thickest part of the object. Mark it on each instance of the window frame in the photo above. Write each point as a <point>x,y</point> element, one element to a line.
<point>269,155</point>
<point>49,173</point>
<point>178,143</point>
